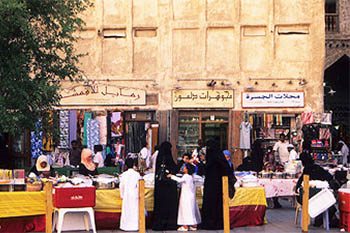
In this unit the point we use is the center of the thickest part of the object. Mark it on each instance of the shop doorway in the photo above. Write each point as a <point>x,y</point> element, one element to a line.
<point>215,130</point>
<point>195,125</point>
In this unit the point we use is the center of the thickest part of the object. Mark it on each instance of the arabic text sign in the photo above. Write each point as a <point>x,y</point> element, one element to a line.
<point>98,94</point>
<point>272,99</point>
<point>202,98</point>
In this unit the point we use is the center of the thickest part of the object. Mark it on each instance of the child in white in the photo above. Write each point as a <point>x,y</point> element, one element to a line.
<point>129,192</point>
<point>188,215</point>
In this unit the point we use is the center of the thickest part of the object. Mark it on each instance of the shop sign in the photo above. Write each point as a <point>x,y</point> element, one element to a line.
<point>273,99</point>
<point>102,94</point>
<point>202,98</point>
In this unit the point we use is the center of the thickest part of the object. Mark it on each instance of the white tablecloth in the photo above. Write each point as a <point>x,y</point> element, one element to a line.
<point>278,187</point>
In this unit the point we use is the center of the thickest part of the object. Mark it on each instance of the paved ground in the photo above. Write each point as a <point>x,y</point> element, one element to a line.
<point>279,221</point>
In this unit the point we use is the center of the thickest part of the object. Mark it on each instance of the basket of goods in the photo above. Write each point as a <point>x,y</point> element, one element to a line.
<point>34,185</point>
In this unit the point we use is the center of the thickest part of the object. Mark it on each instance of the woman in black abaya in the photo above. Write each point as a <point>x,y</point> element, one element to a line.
<point>216,168</point>
<point>165,191</point>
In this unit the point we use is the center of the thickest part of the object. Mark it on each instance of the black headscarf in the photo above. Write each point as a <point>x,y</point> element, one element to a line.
<point>165,157</point>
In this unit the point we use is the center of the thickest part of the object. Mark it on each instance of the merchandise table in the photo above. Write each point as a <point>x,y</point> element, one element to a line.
<point>278,187</point>
<point>25,211</point>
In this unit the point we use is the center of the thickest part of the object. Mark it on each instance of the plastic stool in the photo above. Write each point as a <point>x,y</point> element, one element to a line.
<point>60,212</point>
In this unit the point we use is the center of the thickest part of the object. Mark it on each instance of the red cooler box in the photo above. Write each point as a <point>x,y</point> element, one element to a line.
<point>74,197</point>
<point>344,207</point>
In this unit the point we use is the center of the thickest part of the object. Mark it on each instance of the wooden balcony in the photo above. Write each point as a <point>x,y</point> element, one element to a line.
<point>332,23</point>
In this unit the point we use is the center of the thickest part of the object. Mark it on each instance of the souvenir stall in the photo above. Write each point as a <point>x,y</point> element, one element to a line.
<point>25,211</point>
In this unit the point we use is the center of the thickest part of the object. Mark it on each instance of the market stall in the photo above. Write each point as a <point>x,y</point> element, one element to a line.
<point>28,208</point>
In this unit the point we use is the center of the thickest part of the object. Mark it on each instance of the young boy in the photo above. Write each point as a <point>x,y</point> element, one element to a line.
<point>129,192</point>
<point>188,215</point>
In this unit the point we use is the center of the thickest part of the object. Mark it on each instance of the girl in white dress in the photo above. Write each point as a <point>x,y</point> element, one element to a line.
<point>188,215</point>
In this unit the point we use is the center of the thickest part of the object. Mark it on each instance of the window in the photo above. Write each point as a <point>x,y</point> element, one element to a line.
<point>332,19</point>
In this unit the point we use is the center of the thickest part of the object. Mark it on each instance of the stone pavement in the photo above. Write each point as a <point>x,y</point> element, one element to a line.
<point>279,220</point>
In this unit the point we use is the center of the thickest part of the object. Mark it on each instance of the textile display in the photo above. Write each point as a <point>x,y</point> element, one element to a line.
<point>64,129</point>
<point>325,133</point>
<point>102,120</point>
<point>326,119</point>
<point>307,118</point>
<point>245,129</point>
<point>87,117</point>
<point>116,124</point>
<point>36,142</point>
<point>73,123</point>
<point>93,134</point>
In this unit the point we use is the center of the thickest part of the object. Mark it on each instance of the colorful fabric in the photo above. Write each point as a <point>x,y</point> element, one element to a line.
<point>102,120</point>
<point>93,134</point>
<point>36,142</point>
<point>251,215</point>
<point>249,196</point>
<point>73,121</point>
<point>307,118</point>
<point>87,117</point>
<point>326,119</point>
<point>116,124</point>
<point>19,204</point>
<point>324,133</point>
<point>64,129</point>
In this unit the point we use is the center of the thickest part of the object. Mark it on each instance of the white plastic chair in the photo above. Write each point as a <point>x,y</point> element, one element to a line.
<point>60,212</point>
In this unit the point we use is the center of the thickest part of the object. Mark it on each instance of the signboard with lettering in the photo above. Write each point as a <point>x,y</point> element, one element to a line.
<point>273,99</point>
<point>102,94</point>
<point>202,98</point>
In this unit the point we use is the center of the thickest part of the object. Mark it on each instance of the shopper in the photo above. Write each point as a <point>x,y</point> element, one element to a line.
<point>42,168</point>
<point>188,215</point>
<point>216,168</point>
<point>165,191</point>
<point>98,158</point>
<point>87,166</point>
<point>129,220</point>
<point>75,153</point>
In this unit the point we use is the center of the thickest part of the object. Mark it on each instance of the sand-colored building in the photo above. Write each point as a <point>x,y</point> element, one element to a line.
<point>194,67</point>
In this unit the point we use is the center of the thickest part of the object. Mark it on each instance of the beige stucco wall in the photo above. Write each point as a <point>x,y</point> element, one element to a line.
<point>169,44</point>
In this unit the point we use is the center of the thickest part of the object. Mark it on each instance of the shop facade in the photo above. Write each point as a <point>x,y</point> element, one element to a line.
<point>207,55</point>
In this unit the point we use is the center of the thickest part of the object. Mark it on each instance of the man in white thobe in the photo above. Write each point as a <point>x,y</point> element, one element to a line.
<point>129,192</point>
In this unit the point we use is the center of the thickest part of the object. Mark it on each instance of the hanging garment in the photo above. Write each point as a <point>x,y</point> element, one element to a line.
<point>93,134</point>
<point>307,118</point>
<point>64,129</point>
<point>73,121</point>
<point>324,133</point>
<point>102,120</point>
<point>36,142</point>
<point>87,117</point>
<point>245,129</point>
<point>251,119</point>
<point>116,124</point>
<point>326,119</point>
<point>265,120</point>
